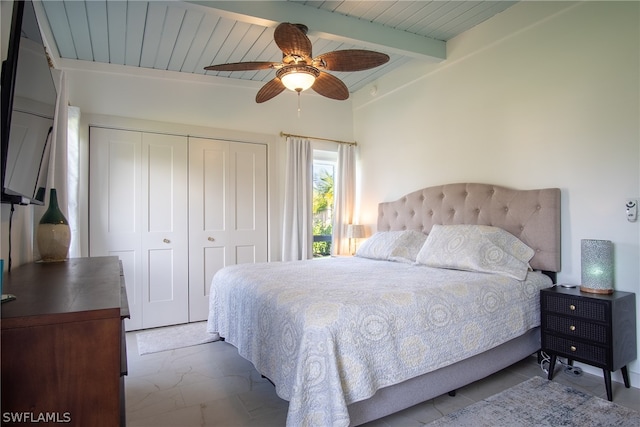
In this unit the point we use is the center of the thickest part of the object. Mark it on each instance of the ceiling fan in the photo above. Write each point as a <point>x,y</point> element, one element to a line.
<point>299,70</point>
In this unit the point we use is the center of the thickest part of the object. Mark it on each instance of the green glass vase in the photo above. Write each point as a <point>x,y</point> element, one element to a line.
<point>54,233</point>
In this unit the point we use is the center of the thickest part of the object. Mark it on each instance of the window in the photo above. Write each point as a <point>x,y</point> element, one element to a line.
<point>324,166</point>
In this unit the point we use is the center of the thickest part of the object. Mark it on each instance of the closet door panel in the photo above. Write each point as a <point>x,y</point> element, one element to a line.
<point>161,178</point>
<point>211,259</point>
<point>115,206</point>
<point>227,213</point>
<point>161,276</point>
<point>138,211</point>
<point>246,254</point>
<point>123,171</point>
<point>211,186</point>
<point>208,192</point>
<point>249,202</point>
<point>165,249</point>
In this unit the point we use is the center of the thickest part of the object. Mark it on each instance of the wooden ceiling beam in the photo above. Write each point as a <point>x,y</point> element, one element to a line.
<point>332,26</point>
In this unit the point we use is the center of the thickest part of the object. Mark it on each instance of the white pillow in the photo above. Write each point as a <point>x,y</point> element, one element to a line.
<point>400,246</point>
<point>476,248</point>
<point>407,246</point>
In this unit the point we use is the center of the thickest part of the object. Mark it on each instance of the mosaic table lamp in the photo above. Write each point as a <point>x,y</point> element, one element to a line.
<point>597,266</point>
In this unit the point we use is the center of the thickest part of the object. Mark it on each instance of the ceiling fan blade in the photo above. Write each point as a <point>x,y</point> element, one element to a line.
<point>243,66</point>
<point>350,60</point>
<point>330,86</point>
<point>269,90</point>
<point>292,40</point>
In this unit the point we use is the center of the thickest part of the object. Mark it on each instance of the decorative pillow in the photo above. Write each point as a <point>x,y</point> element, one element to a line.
<point>476,248</point>
<point>401,246</point>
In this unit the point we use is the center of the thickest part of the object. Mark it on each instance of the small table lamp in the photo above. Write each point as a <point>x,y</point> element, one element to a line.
<point>597,266</point>
<point>354,231</point>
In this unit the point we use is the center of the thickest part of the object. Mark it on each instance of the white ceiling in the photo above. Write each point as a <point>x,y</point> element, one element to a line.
<point>188,36</point>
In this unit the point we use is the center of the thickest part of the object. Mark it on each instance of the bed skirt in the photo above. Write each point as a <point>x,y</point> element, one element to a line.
<point>395,398</point>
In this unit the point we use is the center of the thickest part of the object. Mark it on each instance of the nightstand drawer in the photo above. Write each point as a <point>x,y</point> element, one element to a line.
<point>574,327</point>
<point>579,307</point>
<point>575,350</point>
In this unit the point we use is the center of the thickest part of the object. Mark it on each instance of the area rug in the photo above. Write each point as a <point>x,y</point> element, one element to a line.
<point>172,337</point>
<point>539,402</point>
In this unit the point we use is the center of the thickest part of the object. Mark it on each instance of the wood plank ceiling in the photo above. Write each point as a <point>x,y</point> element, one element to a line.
<point>187,36</point>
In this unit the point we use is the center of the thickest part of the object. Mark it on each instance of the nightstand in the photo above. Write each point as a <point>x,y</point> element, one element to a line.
<point>596,329</point>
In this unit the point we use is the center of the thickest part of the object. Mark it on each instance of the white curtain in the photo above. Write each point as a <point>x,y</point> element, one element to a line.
<point>57,174</point>
<point>58,171</point>
<point>73,179</point>
<point>344,197</point>
<point>298,201</point>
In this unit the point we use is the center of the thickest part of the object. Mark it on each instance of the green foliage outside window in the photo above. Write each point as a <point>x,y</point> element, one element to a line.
<point>322,208</point>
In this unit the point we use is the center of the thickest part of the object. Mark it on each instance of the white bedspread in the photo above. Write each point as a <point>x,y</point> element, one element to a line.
<point>331,332</point>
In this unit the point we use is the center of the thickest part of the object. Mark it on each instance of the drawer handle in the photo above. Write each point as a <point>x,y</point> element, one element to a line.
<point>572,307</point>
<point>166,240</point>
<point>573,348</point>
<point>211,239</point>
<point>572,328</point>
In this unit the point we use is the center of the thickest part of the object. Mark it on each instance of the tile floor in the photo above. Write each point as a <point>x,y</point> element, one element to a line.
<point>211,385</point>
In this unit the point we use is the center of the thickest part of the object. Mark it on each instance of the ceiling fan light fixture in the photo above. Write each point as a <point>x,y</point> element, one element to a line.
<point>298,78</point>
<point>299,70</point>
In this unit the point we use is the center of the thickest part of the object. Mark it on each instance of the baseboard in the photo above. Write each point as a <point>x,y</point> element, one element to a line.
<point>634,377</point>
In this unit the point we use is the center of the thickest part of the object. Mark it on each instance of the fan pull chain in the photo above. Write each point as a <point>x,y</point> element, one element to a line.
<point>299,104</point>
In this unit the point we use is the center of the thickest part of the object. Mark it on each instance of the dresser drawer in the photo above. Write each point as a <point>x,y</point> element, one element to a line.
<point>575,306</point>
<point>575,350</point>
<point>576,328</point>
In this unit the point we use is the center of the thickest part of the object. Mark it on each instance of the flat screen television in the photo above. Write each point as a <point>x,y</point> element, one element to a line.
<point>28,110</point>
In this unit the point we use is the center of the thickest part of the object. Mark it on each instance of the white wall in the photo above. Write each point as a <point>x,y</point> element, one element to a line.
<point>543,95</point>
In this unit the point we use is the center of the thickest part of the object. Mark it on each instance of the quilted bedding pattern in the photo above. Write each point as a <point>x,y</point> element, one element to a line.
<point>331,332</point>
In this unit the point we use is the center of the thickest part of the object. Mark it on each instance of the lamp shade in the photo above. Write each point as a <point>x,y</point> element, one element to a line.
<point>597,266</point>
<point>297,77</point>
<point>355,231</point>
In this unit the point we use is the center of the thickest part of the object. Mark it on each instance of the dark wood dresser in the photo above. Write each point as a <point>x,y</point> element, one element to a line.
<point>63,351</point>
<point>596,329</point>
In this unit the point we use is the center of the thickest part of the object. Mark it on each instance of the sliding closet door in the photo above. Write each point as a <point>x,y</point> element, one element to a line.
<point>227,212</point>
<point>138,211</point>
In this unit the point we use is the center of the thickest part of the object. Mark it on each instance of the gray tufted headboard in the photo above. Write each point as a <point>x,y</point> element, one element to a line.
<point>531,215</point>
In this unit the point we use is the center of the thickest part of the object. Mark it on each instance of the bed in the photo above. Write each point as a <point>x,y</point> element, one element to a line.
<point>416,314</point>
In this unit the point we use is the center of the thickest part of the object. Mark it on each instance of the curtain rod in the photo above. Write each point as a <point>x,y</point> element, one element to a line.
<point>320,139</point>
